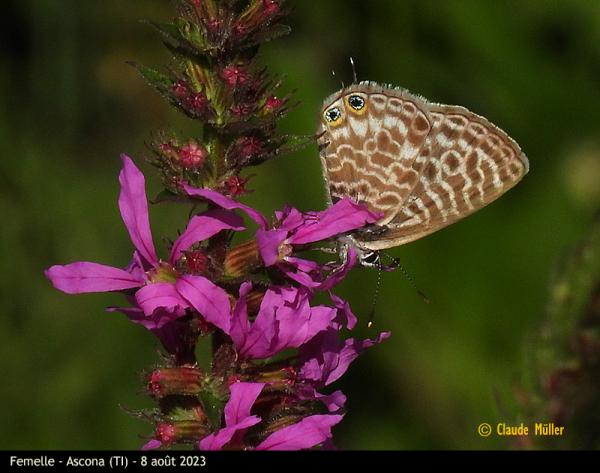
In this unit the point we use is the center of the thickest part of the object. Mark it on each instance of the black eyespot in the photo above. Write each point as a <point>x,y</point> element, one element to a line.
<point>356,102</point>
<point>333,114</point>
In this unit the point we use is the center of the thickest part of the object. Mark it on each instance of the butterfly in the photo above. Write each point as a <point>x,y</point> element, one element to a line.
<point>422,165</point>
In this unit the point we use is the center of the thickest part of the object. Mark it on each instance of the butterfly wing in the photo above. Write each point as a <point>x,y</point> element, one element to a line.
<point>466,163</point>
<point>370,139</point>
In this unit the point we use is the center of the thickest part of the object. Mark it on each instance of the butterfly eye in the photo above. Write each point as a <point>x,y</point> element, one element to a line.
<point>356,102</point>
<point>333,115</point>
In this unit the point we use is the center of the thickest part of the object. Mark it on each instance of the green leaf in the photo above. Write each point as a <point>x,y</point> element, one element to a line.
<point>269,34</point>
<point>155,78</point>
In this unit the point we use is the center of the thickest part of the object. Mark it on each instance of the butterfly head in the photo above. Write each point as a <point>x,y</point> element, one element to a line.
<point>344,104</point>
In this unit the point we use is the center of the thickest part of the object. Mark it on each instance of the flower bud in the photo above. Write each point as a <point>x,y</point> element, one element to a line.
<point>196,262</point>
<point>180,89</point>
<point>273,104</point>
<point>278,378</point>
<point>192,155</point>
<point>169,433</point>
<point>235,186</point>
<point>242,259</point>
<point>234,76</point>
<point>183,381</point>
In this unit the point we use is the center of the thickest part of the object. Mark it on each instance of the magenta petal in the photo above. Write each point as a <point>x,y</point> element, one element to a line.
<point>153,322</point>
<point>159,295</point>
<point>344,311</point>
<point>307,433</point>
<point>325,358</point>
<point>208,299</point>
<point>292,218</point>
<point>221,438</point>
<point>152,445</point>
<point>237,415</point>
<point>243,396</point>
<point>341,217</point>
<point>349,353</point>
<point>226,203</point>
<point>304,279</point>
<point>285,320</point>
<point>204,226</point>
<point>240,326</point>
<point>334,401</point>
<point>268,244</point>
<point>304,265</point>
<point>134,209</point>
<point>83,277</point>
<point>299,325</point>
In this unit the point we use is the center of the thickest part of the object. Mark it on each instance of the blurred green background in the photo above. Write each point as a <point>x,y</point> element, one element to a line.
<point>69,105</point>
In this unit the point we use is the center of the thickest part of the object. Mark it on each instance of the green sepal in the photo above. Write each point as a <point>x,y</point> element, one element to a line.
<point>213,407</point>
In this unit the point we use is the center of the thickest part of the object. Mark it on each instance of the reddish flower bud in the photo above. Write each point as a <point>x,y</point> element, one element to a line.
<point>236,186</point>
<point>182,431</point>
<point>165,433</point>
<point>271,7</point>
<point>192,155</point>
<point>175,381</point>
<point>213,25</point>
<point>250,147</point>
<point>196,262</point>
<point>241,110</point>
<point>240,30</point>
<point>272,104</point>
<point>180,89</point>
<point>197,103</point>
<point>234,76</point>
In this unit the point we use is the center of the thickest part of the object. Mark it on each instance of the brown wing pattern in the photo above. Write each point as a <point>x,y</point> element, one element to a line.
<point>467,163</point>
<point>370,139</point>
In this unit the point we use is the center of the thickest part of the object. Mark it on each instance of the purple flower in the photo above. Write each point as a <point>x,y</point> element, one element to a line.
<point>237,415</point>
<point>161,293</point>
<point>295,230</point>
<point>324,359</point>
<point>307,433</point>
<point>285,320</point>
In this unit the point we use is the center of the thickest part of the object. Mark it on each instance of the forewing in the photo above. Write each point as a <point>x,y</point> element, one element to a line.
<point>370,155</point>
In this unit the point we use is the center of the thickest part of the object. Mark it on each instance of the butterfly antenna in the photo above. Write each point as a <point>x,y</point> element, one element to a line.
<point>354,75</point>
<point>396,265</point>
<point>375,296</point>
